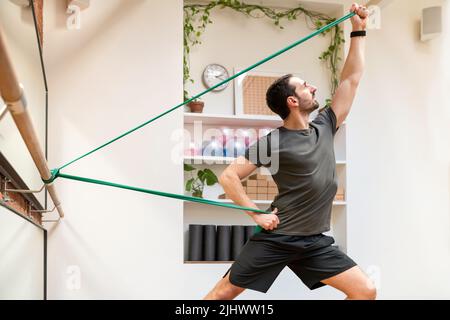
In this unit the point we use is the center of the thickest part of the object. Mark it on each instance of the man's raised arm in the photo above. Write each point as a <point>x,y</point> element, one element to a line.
<point>353,67</point>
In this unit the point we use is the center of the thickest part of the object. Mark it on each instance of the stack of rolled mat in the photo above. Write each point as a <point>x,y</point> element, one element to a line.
<point>217,243</point>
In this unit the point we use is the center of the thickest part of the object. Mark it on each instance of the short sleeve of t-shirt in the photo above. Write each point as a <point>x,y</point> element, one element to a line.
<point>259,152</point>
<point>327,117</point>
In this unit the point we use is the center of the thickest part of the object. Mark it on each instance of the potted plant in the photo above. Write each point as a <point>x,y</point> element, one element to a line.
<point>197,183</point>
<point>195,105</point>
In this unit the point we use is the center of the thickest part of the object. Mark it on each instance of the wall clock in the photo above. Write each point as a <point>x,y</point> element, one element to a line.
<point>213,74</point>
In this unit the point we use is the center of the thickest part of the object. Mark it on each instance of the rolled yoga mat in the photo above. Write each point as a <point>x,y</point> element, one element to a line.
<point>249,232</point>
<point>223,243</point>
<point>195,242</point>
<point>209,243</point>
<point>237,240</point>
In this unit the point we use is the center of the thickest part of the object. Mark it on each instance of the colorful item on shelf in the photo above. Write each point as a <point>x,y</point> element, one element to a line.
<point>193,150</point>
<point>239,147</point>
<point>229,148</point>
<point>213,148</point>
<point>227,133</point>
<point>234,147</point>
<point>245,135</point>
<point>235,141</point>
<point>251,140</point>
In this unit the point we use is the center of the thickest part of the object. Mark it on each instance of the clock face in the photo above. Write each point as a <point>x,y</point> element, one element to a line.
<point>214,74</point>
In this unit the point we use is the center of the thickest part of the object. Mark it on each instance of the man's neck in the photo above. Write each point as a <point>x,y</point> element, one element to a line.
<point>297,121</point>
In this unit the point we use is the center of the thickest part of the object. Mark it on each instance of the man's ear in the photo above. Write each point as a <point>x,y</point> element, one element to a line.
<point>292,100</point>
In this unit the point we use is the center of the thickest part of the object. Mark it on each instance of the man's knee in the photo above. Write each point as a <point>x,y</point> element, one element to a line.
<point>368,293</point>
<point>225,290</point>
<point>227,293</point>
<point>371,293</point>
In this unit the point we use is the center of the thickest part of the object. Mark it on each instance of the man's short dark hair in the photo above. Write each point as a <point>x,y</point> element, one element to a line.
<point>277,94</point>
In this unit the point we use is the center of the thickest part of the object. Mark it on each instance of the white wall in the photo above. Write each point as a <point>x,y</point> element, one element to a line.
<point>123,67</point>
<point>21,258</point>
<point>398,154</point>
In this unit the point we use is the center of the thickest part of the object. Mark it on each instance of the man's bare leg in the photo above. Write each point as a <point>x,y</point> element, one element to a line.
<point>354,283</point>
<point>224,290</point>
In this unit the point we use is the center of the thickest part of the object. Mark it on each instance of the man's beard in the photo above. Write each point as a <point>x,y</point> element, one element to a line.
<point>308,106</point>
<point>315,105</point>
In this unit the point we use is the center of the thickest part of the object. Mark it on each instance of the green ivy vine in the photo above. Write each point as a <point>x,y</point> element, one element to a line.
<point>197,17</point>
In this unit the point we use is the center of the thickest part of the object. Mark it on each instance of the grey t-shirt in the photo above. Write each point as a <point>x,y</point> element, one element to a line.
<point>303,165</point>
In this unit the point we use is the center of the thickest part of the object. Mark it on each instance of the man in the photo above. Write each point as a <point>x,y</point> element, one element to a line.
<point>292,232</point>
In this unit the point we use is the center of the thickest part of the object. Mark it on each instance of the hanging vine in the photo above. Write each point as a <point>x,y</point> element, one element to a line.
<point>197,17</point>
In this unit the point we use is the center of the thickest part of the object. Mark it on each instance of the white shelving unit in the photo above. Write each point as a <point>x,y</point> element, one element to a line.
<point>208,160</point>
<point>232,120</point>
<point>195,213</point>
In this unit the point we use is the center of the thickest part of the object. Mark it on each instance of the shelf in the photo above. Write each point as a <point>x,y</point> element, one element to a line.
<point>208,160</point>
<point>224,160</point>
<point>233,120</point>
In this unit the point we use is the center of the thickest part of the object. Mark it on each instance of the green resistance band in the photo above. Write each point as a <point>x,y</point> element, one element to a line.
<point>323,29</point>
<point>56,172</point>
<point>158,193</point>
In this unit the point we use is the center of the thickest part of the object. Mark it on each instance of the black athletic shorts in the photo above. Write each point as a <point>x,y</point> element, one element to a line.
<point>311,258</point>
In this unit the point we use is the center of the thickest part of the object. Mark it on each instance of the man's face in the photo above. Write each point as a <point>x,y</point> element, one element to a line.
<point>305,95</point>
